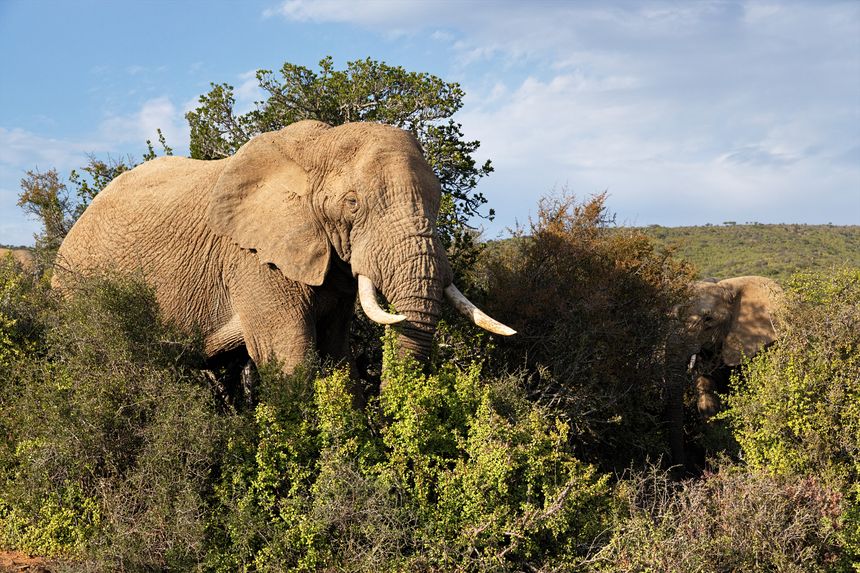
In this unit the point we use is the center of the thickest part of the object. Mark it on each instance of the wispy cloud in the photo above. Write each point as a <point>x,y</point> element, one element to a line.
<point>370,12</point>
<point>22,147</point>
<point>758,156</point>
<point>135,128</point>
<point>248,92</point>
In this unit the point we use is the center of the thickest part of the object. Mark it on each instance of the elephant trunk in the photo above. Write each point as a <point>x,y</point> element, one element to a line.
<point>418,297</point>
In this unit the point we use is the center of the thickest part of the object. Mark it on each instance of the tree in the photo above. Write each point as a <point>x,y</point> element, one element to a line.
<point>47,198</point>
<point>365,91</point>
<point>591,303</point>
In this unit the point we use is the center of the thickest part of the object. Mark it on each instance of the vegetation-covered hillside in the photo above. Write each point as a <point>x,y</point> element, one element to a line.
<point>775,251</point>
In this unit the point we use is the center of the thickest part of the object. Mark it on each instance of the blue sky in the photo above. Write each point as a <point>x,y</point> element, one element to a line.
<point>685,112</point>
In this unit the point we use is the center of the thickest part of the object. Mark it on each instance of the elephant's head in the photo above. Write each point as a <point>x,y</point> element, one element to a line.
<point>309,196</point>
<point>732,318</point>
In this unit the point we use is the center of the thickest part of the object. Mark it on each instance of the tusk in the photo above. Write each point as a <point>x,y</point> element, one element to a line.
<point>370,306</point>
<point>476,315</point>
<point>692,363</point>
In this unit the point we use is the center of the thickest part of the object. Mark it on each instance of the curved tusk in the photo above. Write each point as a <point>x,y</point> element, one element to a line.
<point>370,306</point>
<point>476,315</point>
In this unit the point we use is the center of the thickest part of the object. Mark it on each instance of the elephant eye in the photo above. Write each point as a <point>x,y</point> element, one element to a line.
<point>351,202</point>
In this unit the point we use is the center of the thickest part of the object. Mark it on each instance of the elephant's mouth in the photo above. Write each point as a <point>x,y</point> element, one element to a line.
<point>370,306</point>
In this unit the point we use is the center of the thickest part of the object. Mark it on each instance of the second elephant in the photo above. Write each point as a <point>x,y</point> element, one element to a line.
<point>727,321</point>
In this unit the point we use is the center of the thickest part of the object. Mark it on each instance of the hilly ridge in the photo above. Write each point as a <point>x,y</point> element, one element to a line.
<point>775,251</point>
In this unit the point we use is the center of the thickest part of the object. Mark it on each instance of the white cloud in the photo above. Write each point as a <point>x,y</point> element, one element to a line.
<point>608,133</point>
<point>19,147</point>
<point>757,12</point>
<point>248,92</point>
<point>137,127</point>
<point>21,150</point>
<point>368,12</point>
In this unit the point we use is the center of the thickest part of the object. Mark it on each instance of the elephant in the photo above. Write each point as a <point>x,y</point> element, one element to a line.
<point>722,323</point>
<point>727,320</point>
<point>267,249</point>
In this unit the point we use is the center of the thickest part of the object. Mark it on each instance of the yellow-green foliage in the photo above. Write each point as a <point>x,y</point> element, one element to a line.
<point>443,471</point>
<point>63,524</point>
<point>775,251</point>
<point>797,410</point>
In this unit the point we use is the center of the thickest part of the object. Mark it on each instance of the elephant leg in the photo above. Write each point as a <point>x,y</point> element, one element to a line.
<point>288,340</point>
<point>249,380</point>
<point>226,338</point>
<point>275,315</point>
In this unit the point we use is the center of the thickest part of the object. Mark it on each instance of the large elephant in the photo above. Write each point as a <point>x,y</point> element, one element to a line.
<point>266,249</point>
<point>721,324</point>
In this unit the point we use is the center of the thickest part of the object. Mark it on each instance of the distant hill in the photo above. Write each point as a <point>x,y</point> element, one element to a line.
<point>775,251</point>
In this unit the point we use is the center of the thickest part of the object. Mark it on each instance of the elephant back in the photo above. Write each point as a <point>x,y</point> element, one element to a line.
<point>139,218</point>
<point>755,302</point>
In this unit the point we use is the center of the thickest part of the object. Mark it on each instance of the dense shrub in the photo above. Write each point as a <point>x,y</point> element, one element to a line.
<point>117,456</point>
<point>591,304</point>
<point>120,454</point>
<point>441,472</point>
<point>733,520</point>
<point>22,298</point>
<point>797,408</point>
<point>110,435</point>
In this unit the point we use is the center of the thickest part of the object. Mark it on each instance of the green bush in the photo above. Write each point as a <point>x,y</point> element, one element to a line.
<point>444,471</point>
<point>111,433</point>
<point>117,456</point>
<point>797,408</point>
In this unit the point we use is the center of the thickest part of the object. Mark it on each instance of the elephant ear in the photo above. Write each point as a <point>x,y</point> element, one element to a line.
<point>751,328</point>
<point>262,202</point>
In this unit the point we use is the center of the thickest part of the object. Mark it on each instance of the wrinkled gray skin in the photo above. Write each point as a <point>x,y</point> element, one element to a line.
<point>262,249</point>
<point>723,323</point>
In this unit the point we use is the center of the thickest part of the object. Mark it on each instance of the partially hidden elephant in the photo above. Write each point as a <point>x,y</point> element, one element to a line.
<point>727,321</point>
<point>720,324</point>
<point>267,249</point>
